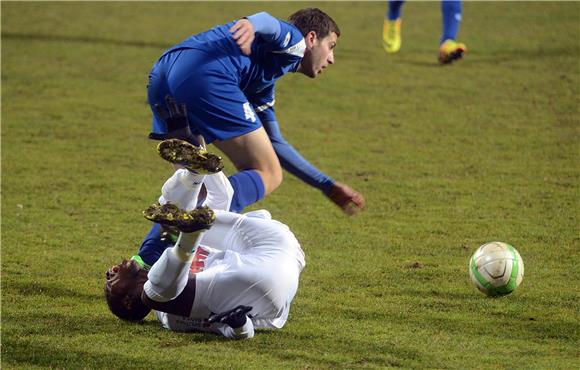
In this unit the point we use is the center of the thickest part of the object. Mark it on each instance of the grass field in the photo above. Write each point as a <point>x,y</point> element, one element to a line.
<point>447,158</point>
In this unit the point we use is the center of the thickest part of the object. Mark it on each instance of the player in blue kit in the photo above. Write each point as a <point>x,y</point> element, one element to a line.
<point>449,49</point>
<point>223,82</point>
<point>226,78</point>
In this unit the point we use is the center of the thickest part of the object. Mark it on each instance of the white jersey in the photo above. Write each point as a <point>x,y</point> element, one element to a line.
<point>248,260</point>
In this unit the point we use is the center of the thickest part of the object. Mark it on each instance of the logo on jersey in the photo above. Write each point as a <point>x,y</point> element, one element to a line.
<point>249,112</point>
<point>296,49</point>
<point>198,261</point>
<point>286,40</point>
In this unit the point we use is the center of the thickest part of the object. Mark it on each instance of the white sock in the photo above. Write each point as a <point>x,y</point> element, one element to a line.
<point>182,189</point>
<point>167,277</point>
<point>186,244</point>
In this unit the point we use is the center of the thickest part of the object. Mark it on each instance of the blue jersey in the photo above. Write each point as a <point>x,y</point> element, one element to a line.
<point>277,49</point>
<point>272,55</point>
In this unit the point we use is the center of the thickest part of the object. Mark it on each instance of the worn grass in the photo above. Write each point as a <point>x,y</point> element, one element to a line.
<point>447,158</point>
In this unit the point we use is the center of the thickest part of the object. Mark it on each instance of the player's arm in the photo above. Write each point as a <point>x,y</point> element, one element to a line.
<point>340,194</point>
<point>175,118</point>
<point>235,323</point>
<point>294,162</point>
<point>244,30</point>
<point>281,35</point>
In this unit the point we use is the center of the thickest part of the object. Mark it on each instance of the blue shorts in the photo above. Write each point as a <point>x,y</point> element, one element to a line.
<point>216,106</point>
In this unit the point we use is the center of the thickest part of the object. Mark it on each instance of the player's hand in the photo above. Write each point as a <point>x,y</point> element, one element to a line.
<point>175,118</point>
<point>243,32</point>
<point>347,199</point>
<point>235,318</point>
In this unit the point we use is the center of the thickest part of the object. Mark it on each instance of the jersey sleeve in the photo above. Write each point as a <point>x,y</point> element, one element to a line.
<point>294,163</point>
<point>282,37</point>
<point>265,25</point>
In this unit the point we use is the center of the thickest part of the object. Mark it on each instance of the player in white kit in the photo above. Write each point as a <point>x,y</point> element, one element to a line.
<point>239,275</point>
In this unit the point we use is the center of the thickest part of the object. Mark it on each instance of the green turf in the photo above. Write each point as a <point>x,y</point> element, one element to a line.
<point>447,157</point>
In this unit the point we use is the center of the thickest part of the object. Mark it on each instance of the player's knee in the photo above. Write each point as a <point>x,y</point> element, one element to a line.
<point>277,177</point>
<point>272,178</point>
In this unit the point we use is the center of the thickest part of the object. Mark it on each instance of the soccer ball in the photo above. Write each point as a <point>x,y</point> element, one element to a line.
<point>496,268</point>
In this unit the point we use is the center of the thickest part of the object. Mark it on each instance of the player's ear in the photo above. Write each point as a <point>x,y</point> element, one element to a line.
<point>310,39</point>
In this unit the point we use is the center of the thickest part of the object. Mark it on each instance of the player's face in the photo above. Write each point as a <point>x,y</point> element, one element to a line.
<point>318,55</point>
<point>125,277</point>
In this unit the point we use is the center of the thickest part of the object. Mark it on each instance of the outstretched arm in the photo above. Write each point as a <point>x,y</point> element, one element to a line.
<point>340,194</point>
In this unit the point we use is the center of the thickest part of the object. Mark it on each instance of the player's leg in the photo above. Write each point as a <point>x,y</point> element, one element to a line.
<point>169,275</point>
<point>392,27</point>
<point>255,158</point>
<point>450,49</point>
<point>181,189</point>
<point>220,111</point>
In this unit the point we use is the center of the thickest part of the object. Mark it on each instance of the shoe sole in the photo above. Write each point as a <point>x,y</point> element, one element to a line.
<point>389,48</point>
<point>170,215</point>
<point>189,156</point>
<point>451,57</point>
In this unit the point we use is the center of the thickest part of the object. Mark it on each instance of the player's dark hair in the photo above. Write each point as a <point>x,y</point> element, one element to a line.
<point>314,19</point>
<point>127,306</point>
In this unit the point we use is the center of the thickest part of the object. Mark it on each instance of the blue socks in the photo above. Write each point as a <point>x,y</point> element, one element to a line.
<point>394,11</point>
<point>248,189</point>
<point>451,16</point>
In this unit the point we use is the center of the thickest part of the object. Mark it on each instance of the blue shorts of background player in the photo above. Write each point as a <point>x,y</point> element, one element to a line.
<point>226,78</point>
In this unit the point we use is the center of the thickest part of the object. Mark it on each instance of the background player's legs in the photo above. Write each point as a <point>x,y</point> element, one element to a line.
<point>450,17</point>
<point>392,27</point>
<point>449,49</point>
<point>394,10</point>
